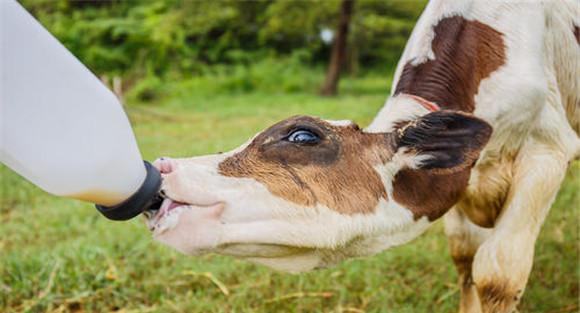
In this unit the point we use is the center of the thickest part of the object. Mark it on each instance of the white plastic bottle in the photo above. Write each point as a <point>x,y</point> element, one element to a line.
<point>60,127</point>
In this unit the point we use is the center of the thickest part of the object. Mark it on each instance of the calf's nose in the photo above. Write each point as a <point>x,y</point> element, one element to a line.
<point>164,165</point>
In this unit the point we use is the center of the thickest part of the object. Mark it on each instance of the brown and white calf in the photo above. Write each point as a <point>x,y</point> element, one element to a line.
<point>480,127</point>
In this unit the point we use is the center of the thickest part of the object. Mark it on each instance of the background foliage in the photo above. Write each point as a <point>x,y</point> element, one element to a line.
<point>149,42</point>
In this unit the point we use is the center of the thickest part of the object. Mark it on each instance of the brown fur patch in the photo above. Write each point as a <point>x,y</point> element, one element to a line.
<point>463,263</point>
<point>466,52</point>
<point>577,33</point>
<point>337,172</point>
<point>497,296</point>
<point>429,194</point>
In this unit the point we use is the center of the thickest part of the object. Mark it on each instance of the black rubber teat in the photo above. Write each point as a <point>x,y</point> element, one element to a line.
<point>146,198</point>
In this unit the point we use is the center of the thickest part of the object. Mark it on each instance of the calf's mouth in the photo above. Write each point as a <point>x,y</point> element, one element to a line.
<point>154,217</point>
<point>166,217</point>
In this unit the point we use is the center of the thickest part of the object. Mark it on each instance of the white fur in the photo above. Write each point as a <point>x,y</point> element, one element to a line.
<point>396,109</point>
<point>340,123</point>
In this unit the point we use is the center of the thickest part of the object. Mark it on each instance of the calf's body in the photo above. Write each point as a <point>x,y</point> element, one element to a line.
<point>480,127</point>
<point>517,66</point>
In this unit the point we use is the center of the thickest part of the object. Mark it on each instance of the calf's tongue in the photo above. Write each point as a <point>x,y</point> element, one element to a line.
<point>166,206</point>
<point>173,205</point>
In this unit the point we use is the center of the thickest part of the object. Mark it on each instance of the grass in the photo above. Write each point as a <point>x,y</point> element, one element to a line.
<point>58,255</point>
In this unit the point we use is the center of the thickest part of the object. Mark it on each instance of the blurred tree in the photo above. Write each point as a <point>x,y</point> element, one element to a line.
<point>338,56</point>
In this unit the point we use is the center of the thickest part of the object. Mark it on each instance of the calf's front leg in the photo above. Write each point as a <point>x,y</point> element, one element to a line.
<point>503,262</point>
<point>464,239</point>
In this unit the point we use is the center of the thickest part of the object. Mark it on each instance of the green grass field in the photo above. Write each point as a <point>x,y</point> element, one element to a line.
<point>58,255</point>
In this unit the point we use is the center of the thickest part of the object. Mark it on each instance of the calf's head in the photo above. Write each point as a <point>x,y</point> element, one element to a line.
<point>307,193</point>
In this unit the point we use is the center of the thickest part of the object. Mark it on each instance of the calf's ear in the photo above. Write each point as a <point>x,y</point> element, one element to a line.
<point>443,141</point>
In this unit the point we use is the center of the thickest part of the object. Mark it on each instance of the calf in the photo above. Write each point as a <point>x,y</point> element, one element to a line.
<point>480,127</point>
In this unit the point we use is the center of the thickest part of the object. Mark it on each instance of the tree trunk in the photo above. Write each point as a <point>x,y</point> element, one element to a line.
<point>338,54</point>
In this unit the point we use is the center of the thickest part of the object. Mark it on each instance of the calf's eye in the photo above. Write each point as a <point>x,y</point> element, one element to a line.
<point>303,137</point>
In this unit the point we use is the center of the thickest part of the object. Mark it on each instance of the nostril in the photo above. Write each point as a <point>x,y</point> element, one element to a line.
<point>164,165</point>
<point>162,193</point>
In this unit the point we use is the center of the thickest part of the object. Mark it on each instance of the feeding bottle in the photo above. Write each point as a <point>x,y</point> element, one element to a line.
<point>61,128</point>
